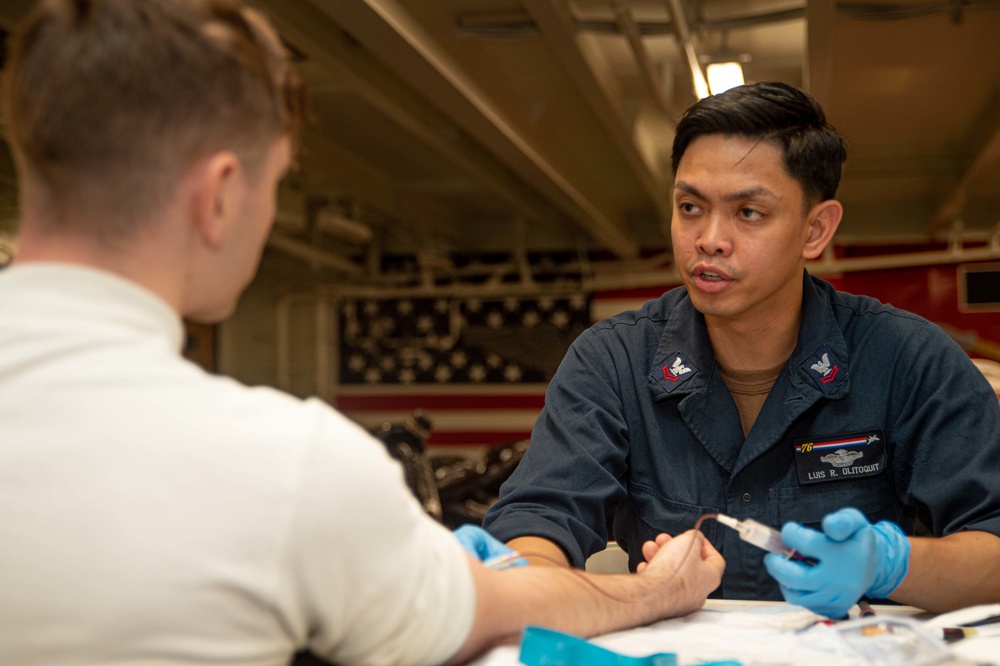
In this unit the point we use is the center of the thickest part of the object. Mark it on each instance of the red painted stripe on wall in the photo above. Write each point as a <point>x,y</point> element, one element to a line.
<point>430,402</point>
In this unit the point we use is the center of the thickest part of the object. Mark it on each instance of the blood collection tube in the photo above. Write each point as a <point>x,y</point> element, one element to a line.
<point>762,536</point>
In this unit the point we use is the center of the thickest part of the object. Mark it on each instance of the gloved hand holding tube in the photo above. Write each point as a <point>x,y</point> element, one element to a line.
<point>853,559</point>
<point>488,549</point>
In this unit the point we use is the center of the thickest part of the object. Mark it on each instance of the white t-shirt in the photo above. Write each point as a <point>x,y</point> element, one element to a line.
<point>151,513</point>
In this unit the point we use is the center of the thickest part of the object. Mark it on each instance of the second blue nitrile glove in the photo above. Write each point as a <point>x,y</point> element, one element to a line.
<point>485,546</point>
<point>853,559</point>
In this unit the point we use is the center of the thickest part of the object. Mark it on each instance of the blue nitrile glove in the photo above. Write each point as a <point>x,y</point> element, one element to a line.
<point>487,548</point>
<point>854,559</point>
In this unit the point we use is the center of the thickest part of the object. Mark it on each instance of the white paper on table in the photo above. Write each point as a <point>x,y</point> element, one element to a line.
<point>777,635</point>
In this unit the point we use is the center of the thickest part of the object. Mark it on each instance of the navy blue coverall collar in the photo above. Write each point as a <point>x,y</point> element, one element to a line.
<point>685,368</point>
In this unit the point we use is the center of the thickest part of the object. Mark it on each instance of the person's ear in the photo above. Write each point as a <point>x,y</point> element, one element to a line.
<point>822,222</point>
<point>217,197</point>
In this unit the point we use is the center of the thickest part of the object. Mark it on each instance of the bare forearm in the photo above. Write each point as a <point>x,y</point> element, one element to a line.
<point>585,604</point>
<point>945,573</point>
<point>560,598</point>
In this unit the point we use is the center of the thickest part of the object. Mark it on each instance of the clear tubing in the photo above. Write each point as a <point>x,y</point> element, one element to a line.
<point>760,535</point>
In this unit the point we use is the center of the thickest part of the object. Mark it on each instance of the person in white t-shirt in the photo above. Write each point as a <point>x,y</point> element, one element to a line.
<point>151,512</point>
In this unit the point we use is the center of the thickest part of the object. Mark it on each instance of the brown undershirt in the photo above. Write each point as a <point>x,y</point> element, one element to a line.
<point>749,390</point>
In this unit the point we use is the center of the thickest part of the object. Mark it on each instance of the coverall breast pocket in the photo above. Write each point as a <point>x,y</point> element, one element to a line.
<point>653,514</point>
<point>808,504</point>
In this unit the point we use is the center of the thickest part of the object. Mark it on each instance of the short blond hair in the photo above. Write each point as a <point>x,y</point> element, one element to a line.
<point>109,101</point>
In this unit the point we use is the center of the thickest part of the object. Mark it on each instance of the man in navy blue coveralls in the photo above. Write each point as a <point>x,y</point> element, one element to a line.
<point>758,391</point>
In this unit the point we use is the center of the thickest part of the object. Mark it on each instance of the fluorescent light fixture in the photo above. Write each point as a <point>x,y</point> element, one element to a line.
<point>724,75</point>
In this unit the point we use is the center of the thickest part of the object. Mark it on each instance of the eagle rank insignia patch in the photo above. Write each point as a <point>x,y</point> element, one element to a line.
<point>675,371</point>
<point>825,370</point>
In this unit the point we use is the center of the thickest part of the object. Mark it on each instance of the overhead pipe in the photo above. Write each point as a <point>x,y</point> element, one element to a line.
<point>651,272</point>
<point>479,291</point>
<point>952,255</point>
<point>283,336</point>
<point>651,80</point>
<point>327,339</point>
<point>828,265</point>
<point>313,255</point>
<point>521,253</point>
<point>984,164</point>
<point>519,24</point>
<point>683,33</point>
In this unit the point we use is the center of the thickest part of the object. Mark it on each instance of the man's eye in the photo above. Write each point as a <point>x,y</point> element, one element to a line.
<point>751,213</point>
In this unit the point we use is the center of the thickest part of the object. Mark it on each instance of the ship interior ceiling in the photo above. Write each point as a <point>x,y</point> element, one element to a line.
<point>486,141</point>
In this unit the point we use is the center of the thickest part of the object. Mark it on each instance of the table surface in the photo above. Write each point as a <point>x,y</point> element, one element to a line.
<point>760,632</point>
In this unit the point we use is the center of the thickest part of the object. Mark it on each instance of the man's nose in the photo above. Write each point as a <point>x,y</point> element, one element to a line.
<point>715,237</point>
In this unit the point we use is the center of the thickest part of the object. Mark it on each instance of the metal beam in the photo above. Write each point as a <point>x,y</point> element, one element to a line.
<point>314,255</point>
<point>818,66</point>
<point>686,41</point>
<point>651,80</point>
<point>517,23</point>
<point>985,162</point>
<point>557,28</point>
<point>312,32</point>
<point>385,28</point>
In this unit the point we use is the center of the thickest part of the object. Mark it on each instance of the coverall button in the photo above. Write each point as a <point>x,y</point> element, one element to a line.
<point>747,497</point>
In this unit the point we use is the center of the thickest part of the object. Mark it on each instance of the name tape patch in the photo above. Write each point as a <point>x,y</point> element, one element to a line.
<point>851,456</point>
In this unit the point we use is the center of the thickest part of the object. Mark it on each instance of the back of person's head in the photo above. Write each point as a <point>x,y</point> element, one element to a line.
<point>775,112</point>
<point>108,102</point>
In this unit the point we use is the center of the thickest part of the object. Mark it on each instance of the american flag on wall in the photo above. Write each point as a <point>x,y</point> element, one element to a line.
<point>477,367</point>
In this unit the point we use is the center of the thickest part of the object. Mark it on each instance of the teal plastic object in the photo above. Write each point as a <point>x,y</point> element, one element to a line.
<point>546,647</point>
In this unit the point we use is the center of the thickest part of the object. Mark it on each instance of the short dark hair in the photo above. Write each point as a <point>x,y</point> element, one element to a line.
<point>786,116</point>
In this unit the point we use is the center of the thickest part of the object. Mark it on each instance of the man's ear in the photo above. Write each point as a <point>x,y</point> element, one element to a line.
<point>216,197</point>
<point>822,221</point>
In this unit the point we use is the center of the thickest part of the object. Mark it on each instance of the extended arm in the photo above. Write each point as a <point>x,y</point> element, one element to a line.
<point>855,558</point>
<point>676,582</point>
<point>945,422</point>
<point>949,419</point>
<point>574,471</point>
<point>949,572</point>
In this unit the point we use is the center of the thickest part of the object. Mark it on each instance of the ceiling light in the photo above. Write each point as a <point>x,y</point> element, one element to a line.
<point>724,75</point>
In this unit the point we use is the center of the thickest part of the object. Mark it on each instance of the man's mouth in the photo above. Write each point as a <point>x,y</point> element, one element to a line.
<point>713,277</point>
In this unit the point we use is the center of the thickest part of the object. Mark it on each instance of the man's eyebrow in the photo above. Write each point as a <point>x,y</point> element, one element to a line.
<point>750,193</point>
<point>735,196</point>
<point>687,187</point>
